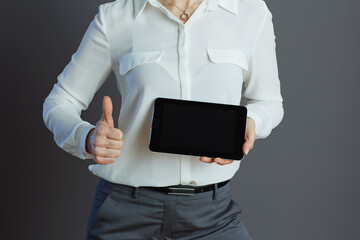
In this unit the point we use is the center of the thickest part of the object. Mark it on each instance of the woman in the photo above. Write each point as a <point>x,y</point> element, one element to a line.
<point>203,50</point>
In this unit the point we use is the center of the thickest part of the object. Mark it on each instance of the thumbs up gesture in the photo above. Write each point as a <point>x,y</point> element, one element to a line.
<point>105,141</point>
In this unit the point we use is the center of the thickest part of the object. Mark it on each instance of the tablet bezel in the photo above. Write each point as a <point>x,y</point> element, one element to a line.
<point>156,129</point>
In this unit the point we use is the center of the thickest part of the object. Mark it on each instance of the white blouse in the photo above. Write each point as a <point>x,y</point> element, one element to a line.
<point>224,52</point>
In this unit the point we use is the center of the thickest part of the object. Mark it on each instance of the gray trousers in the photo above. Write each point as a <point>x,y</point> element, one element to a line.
<point>124,212</point>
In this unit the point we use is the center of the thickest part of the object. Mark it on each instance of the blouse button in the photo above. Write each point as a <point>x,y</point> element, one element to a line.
<point>192,183</point>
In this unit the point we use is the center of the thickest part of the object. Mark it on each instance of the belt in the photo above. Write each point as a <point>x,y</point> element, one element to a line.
<point>186,189</point>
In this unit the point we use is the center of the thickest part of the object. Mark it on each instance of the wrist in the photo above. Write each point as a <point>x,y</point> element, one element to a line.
<point>87,144</point>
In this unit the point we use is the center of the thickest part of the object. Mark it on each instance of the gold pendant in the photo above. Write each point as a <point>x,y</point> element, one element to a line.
<point>184,16</point>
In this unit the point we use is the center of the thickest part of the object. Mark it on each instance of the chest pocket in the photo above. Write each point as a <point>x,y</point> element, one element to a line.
<point>134,59</point>
<point>232,56</point>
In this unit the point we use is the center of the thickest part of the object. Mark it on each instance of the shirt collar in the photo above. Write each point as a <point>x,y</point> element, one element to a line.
<point>229,5</point>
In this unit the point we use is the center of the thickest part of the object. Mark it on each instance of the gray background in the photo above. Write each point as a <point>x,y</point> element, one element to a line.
<point>302,182</point>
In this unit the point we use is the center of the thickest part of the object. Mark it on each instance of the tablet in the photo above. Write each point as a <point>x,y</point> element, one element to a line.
<point>198,128</point>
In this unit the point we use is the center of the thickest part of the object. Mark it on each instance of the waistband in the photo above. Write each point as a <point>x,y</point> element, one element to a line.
<point>187,189</point>
<point>174,192</point>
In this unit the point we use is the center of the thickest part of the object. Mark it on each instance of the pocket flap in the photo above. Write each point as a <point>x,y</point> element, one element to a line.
<point>233,56</point>
<point>133,59</point>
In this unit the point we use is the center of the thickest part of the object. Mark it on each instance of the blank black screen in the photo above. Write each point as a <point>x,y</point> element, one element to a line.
<point>200,128</point>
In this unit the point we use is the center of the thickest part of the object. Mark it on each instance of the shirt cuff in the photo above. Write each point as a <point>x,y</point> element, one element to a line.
<point>83,131</point>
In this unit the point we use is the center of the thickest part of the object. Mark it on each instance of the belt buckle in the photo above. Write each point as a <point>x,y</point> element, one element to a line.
<point>181,191</point>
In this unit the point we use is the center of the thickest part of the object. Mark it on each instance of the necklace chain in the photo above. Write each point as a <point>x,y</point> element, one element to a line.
<point>183,16</point>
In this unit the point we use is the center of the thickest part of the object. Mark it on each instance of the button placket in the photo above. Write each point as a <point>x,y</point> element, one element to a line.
<point>183,64</point>
<point>185,94</point>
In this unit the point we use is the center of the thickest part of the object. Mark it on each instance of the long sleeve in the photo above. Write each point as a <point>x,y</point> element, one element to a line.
<point>261,81</point>
<point>88,69</point>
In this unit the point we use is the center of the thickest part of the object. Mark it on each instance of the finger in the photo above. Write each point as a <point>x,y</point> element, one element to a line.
<point>206,159</point>
<point>249,136</point>
<point>105,152</point>
<point>107,111</point>
<point>222,161</point>
<point>103,160</point>
<point>114,144</point>
<point>111,153</point>
<point>114,133</point>
<point>247,146</point>
<point>250,129</point>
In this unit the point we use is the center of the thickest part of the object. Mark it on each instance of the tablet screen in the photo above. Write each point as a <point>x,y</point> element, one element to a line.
<point>198,128</point>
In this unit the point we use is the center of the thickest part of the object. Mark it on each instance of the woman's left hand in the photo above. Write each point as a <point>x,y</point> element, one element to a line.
<point>247,146</point>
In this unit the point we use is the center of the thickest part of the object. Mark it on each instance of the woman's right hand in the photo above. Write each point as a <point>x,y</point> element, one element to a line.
<point>105,141</point>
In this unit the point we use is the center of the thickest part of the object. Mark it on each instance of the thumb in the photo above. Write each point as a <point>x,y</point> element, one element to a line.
<point>247,146</point>
<point>250,136</point>
<point>107,111</point>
